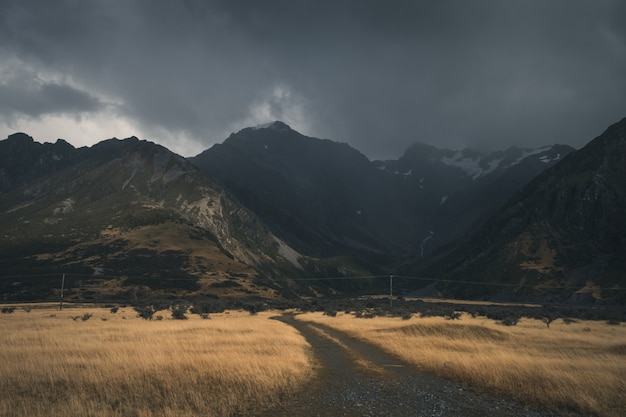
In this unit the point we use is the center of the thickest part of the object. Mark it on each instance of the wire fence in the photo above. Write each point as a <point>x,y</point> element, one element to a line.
<point>68,282</point>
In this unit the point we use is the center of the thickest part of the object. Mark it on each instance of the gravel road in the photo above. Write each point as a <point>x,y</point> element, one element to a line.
<point>358,379</point>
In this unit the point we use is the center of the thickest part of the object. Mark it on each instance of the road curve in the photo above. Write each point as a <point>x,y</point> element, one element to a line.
<point>357,379</point>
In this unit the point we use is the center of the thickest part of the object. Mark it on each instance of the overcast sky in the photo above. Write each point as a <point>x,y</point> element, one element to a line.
<point>376,74</point>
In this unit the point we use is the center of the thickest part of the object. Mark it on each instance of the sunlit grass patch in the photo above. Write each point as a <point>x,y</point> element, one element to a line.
<point>579,366</point>
<point>119,365</point>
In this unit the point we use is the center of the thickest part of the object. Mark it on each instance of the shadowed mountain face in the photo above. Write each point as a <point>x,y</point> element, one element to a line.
<point>270,203</point>
<point>327,199</point>
<point>23,160</point>
<point>562,237</point>
<point>457,191</point>
<point>323,197</point>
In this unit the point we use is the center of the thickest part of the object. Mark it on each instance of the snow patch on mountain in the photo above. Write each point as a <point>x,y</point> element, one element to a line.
<point>547,158</point>
<point>528,152</point>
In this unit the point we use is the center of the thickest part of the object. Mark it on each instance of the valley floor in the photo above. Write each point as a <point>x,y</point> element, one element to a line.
<point>97,362</point>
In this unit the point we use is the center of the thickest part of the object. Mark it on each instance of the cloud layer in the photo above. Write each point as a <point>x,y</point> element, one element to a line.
<point>377,75</point>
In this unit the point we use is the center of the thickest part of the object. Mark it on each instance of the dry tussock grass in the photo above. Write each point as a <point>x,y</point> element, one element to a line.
<point>231,364</point>
<point>579,366</point>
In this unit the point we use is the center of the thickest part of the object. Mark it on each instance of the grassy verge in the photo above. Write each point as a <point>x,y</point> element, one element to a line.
<point>119,365</point>
<point>579,366</point>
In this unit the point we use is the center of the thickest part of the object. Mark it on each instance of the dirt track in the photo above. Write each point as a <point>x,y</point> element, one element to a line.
<point>357,379</point>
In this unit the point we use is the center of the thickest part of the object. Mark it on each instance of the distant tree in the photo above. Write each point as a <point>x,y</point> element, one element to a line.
<point>549,316</point>
<point>510,320</point>
<point>179,310</point>
<point>145,312</point>
<point>454,315</point>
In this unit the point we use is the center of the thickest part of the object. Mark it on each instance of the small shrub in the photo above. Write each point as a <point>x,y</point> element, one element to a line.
<point>159,318</point>
<point>364,314</point>
<point>86,316</point>
<point>208,307</point>
<point>145,312</point>
<point>330,313</point>
<point>8,310</point>
<point>549,316</point>
<point>114,309</point>
<point>455,315</point>
<point>178,311</point>
<point>509,321</point>
<point>253,309</point>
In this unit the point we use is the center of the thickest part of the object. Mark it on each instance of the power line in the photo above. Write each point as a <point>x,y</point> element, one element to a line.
<point>304,279</point>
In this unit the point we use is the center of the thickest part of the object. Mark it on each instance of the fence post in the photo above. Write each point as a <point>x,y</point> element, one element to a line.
<point>390,291</point>
<point>62,287</point>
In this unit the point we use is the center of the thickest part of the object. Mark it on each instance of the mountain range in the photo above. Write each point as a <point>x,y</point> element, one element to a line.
<point>269,206</point>
<point>125,208</point>
<point>561,238</point>
<point>326,198</point>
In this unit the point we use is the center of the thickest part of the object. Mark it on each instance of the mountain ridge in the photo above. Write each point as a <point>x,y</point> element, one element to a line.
<point>139,210</point>
<point>564,229</point>
<point>273,203</point>
<point>325,197</point>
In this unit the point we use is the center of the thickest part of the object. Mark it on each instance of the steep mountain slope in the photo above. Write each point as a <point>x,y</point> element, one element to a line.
<point>459,190</point>
<point>323,197</point>
<point>268,203</point>
<point>327,199</point>
<point>127,208</point>
<point>562,237</point>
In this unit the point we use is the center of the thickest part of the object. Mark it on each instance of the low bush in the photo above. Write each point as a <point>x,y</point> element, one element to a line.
<point>179,311</point>
<point>145,312</point>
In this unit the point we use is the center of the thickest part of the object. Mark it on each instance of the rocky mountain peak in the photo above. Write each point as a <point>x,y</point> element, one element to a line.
<point>19,137</point>
<point>276,125</point>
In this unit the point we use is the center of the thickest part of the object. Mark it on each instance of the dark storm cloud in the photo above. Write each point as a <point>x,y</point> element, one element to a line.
<point>35,101</point>
<point>378,75</point>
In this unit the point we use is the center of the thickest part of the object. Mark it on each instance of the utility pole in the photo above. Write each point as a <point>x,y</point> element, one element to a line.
<point>62,287</point>
<point>390,291</point>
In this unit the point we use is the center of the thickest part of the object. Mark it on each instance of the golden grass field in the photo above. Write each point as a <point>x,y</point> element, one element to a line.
<point>578,366</point>
<point>238,364</point>
<point>231,364</point>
